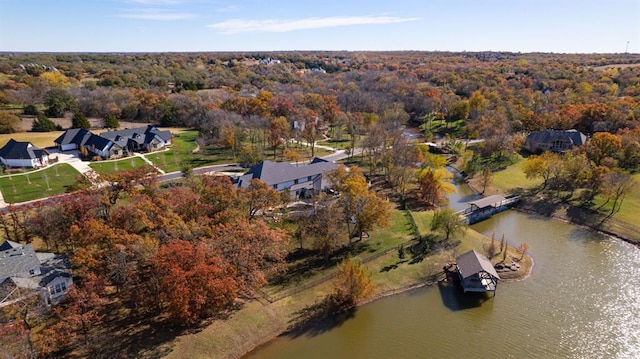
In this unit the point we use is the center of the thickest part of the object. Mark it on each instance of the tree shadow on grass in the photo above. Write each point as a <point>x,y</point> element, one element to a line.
<point>393,266</point>
<point>318,318</point>
<point>455,299</point>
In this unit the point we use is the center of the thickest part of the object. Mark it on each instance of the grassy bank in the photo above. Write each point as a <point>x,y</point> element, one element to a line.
<point>258,320</point>
<point>623,224</point>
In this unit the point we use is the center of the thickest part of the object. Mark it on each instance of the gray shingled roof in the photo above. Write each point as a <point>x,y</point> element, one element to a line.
<point>82,137</point>
<point>487,201</point>
<point>20,150</point>
<point>473,262</point>
<point>138,134</point>
<point>548,136</point>
<point>278,172</point>
<point>17,260</point>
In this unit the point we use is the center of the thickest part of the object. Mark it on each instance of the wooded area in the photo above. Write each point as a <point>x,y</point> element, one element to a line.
<point>184,253</point>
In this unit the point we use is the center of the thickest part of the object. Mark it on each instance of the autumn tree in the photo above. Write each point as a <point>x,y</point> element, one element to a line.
<point>541,167</point>
<point>434,184</point>
<point>362,208</point>
<point>486,178</point>
<point>278,133</point>
<point>7,122</point>
<point>258,197</point>
<point>604,146</point>
<point>449,222</point>
<point>616,186</point>
<point>352,284</point>
<point>193,280</point>
<point>323,226</point>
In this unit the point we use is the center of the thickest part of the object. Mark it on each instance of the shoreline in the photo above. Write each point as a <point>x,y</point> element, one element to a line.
<point>382,295</point>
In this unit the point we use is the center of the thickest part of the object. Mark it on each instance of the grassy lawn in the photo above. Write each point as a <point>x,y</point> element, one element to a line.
<point>342,144</point>
<point>119,165</point>
<point>38,139</point>
<point>513,177</point>
<point>630,207</point>
<point>26,187</point>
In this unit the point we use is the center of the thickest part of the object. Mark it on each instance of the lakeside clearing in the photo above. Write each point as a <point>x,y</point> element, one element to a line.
<point>259,321</point>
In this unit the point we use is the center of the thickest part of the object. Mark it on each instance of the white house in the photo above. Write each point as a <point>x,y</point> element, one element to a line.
<point>23,154</point>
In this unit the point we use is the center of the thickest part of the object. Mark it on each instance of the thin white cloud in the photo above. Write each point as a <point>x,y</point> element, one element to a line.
<point>153,14</point>
<point>157,2</point>
<point>230,8</point>
<point>236,26</point>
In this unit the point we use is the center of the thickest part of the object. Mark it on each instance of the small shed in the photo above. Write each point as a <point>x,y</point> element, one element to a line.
<point>476,273</point>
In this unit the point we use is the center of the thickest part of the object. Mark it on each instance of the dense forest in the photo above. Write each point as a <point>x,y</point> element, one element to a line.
<point>134,244</point>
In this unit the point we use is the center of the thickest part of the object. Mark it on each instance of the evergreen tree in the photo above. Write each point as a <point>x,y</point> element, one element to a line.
<point>111,121</point>
<point>43,124</point>
<point>80,121</point>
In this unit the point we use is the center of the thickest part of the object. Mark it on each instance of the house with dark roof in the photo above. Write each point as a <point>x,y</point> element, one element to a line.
<point>554,140</point>
<point>25,274</point>
<point>301,181</point>
<point>476,272</point>
<point>140,139</point>
<point>23,154</point>
<point>79,138</point>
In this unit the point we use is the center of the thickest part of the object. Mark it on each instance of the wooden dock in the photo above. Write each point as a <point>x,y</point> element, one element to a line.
<point>486,207</point>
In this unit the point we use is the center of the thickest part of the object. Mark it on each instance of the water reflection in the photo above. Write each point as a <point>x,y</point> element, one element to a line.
<point>454,298</point>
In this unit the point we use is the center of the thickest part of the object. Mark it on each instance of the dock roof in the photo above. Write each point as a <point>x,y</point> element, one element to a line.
<point>473,262</point>
<point>487,201</point>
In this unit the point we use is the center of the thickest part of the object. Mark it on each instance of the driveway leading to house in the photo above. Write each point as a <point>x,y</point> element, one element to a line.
<point>73,159</point>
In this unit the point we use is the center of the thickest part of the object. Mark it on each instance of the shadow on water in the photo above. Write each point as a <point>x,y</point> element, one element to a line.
<point>317,319</point>
<point>469,198</point>
<point>455,299</point>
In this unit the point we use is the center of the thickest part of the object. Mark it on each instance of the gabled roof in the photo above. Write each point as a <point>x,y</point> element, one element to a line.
<point>278,172</point>
<point>472,262</point>
<point>21,150</point>
<point>138,134</point>
<point>548,136</point>
<point>487,201</point>
<point>72,135</point>
<point>17,260</point>
<point>82,137</point>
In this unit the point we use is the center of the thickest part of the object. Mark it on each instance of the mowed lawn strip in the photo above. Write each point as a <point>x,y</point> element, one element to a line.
<point>128,163</point>
<point>50,181</point>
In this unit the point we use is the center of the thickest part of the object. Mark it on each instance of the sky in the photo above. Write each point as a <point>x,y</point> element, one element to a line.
<point>560,26</point>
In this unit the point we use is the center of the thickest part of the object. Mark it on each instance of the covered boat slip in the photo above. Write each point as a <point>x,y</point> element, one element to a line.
<point>484,208</point>
<point>476,273</point>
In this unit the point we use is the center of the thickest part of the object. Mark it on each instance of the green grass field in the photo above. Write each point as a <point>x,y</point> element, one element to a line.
<point>119,165</point>
<point>33,185</point>
<point>513,177</point>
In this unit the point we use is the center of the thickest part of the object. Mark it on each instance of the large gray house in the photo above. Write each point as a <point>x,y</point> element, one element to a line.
<point>301,181</point>
<point>25,274</point>
<point>115,144</point>
<point>554,140</point>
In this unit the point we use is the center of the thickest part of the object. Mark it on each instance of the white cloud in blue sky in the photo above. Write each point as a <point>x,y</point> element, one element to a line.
<point>236,26</point>
<point>356,25</point>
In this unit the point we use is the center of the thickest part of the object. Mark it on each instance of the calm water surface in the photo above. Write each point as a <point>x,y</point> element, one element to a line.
<point>582,300</point>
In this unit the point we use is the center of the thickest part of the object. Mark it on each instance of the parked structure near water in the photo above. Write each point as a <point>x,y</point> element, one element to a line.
<point>476,273</point>
<point>486,207</point>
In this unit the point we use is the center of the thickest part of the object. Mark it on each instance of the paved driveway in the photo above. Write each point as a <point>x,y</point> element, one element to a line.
<point>72,158</point>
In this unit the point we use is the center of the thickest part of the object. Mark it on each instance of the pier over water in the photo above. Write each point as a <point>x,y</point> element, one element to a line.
<point>486,207</point>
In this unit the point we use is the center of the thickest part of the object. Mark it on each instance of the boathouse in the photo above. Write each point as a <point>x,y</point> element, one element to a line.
<point>476,273</point>
<point>486,207</point>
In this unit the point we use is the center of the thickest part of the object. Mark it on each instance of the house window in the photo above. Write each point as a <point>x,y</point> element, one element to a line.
<point>295,181</point>
<point>115,152</point>
<point>58,288</point>
<point>32,271</point>
<point>309,178</point>
<point>275,186</point>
